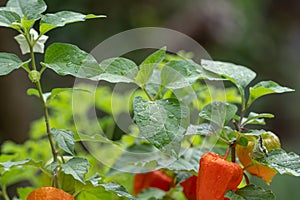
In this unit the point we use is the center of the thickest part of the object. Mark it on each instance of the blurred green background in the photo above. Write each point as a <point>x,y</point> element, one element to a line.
<point>261,34</point>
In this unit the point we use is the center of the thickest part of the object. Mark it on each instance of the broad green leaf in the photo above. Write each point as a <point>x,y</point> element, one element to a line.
<point>10,168</point>
<point>265,88</point>
<point>118,70</point>
<point>77,167</point>
<point>251,192</point>
<point>16,175</point>
<point>9,19</point>
<point>67,59</point>
<point>255,132</point>
<point>239,75</point>
<point>178,74</point>
<point>23,192</point>
<point>188,161</point>
<point>218,112</point>
<point>162,122</point>
<point>9,164</point>
<point>65,140</point>
<point>147,66</point>
<point>57,91</point>
<point>233,196</point>
<point>151,194</point>
<point>119,190</point>
<point>208,75</point>
<point>91,138</point>
<point>140,158</point>
<point>94,193</point>
<point>255,118</point>
<point>28,162</point>
<point>201,129</point>
<point>48,96</point>
<point>96,189</point>
<point>7,157</point>
<point>283,162</point>
<point>243,141</point>
<point>182,176</point>
<point>59,19</point>
<point>32,9</point>
<point>101,193</point>
<point>10,62</point>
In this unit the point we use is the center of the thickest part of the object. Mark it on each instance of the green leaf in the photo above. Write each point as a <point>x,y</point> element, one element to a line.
<point>10,62</point>
<point>64,139</point>
<point>243,141</point>
<point>233,196</point>
<point>139,158</point>
<point>32,9</point>
<point>251,192</point>
<point>255,118</point>
<point>77,167</point>
<point>8,19</point>
<point>202,129</point>
<point>182,176</point>
<point>162,122</point>
<point>238,75</point>
<point>57,91</point>
<point>283,162</point>
<point>218,112</point>
<point>33,92</point>
<point>147,66</point>
<point>10,164</point>
<point>23,192</point>
<point>48,96</point>
<point>189,161</point>
<point>118,70</point>
<point>265,88</point>
<point>67,59</point>
<point>116,188</point>
<point>94,193</point>
<point>178,74</point>
<point>151,194</point>
<point>7,165</point>
<point>91,138</point>
<point>255,132</point>
<point>94,189</point>
<point>60,19</point>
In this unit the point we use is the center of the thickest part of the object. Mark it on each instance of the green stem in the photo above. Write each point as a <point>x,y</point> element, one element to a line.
<point>33,65</point>
<point>243,110</point>
<point>159,91</point>
<point>77,193</point>
<point>4,192</point>
<point>146,92</point>
<point>46,116</point>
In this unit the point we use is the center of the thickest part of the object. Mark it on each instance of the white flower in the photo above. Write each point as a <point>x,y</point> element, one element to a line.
<point>38,46</point>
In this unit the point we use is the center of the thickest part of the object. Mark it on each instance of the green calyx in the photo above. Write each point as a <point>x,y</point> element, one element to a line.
<point>34,76</point>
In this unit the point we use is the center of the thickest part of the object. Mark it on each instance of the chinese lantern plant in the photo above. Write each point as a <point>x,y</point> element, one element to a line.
<point>259,151</point>
<point>63,163</point>
<point>161,113</point>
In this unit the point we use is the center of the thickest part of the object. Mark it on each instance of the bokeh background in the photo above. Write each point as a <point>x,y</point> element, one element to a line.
<point>261,34</point>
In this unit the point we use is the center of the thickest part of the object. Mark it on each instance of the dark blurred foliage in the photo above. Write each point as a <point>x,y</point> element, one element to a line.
<point>261,34</point>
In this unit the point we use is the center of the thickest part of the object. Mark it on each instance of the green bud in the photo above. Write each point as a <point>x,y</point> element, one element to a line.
<point>34,76</point>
